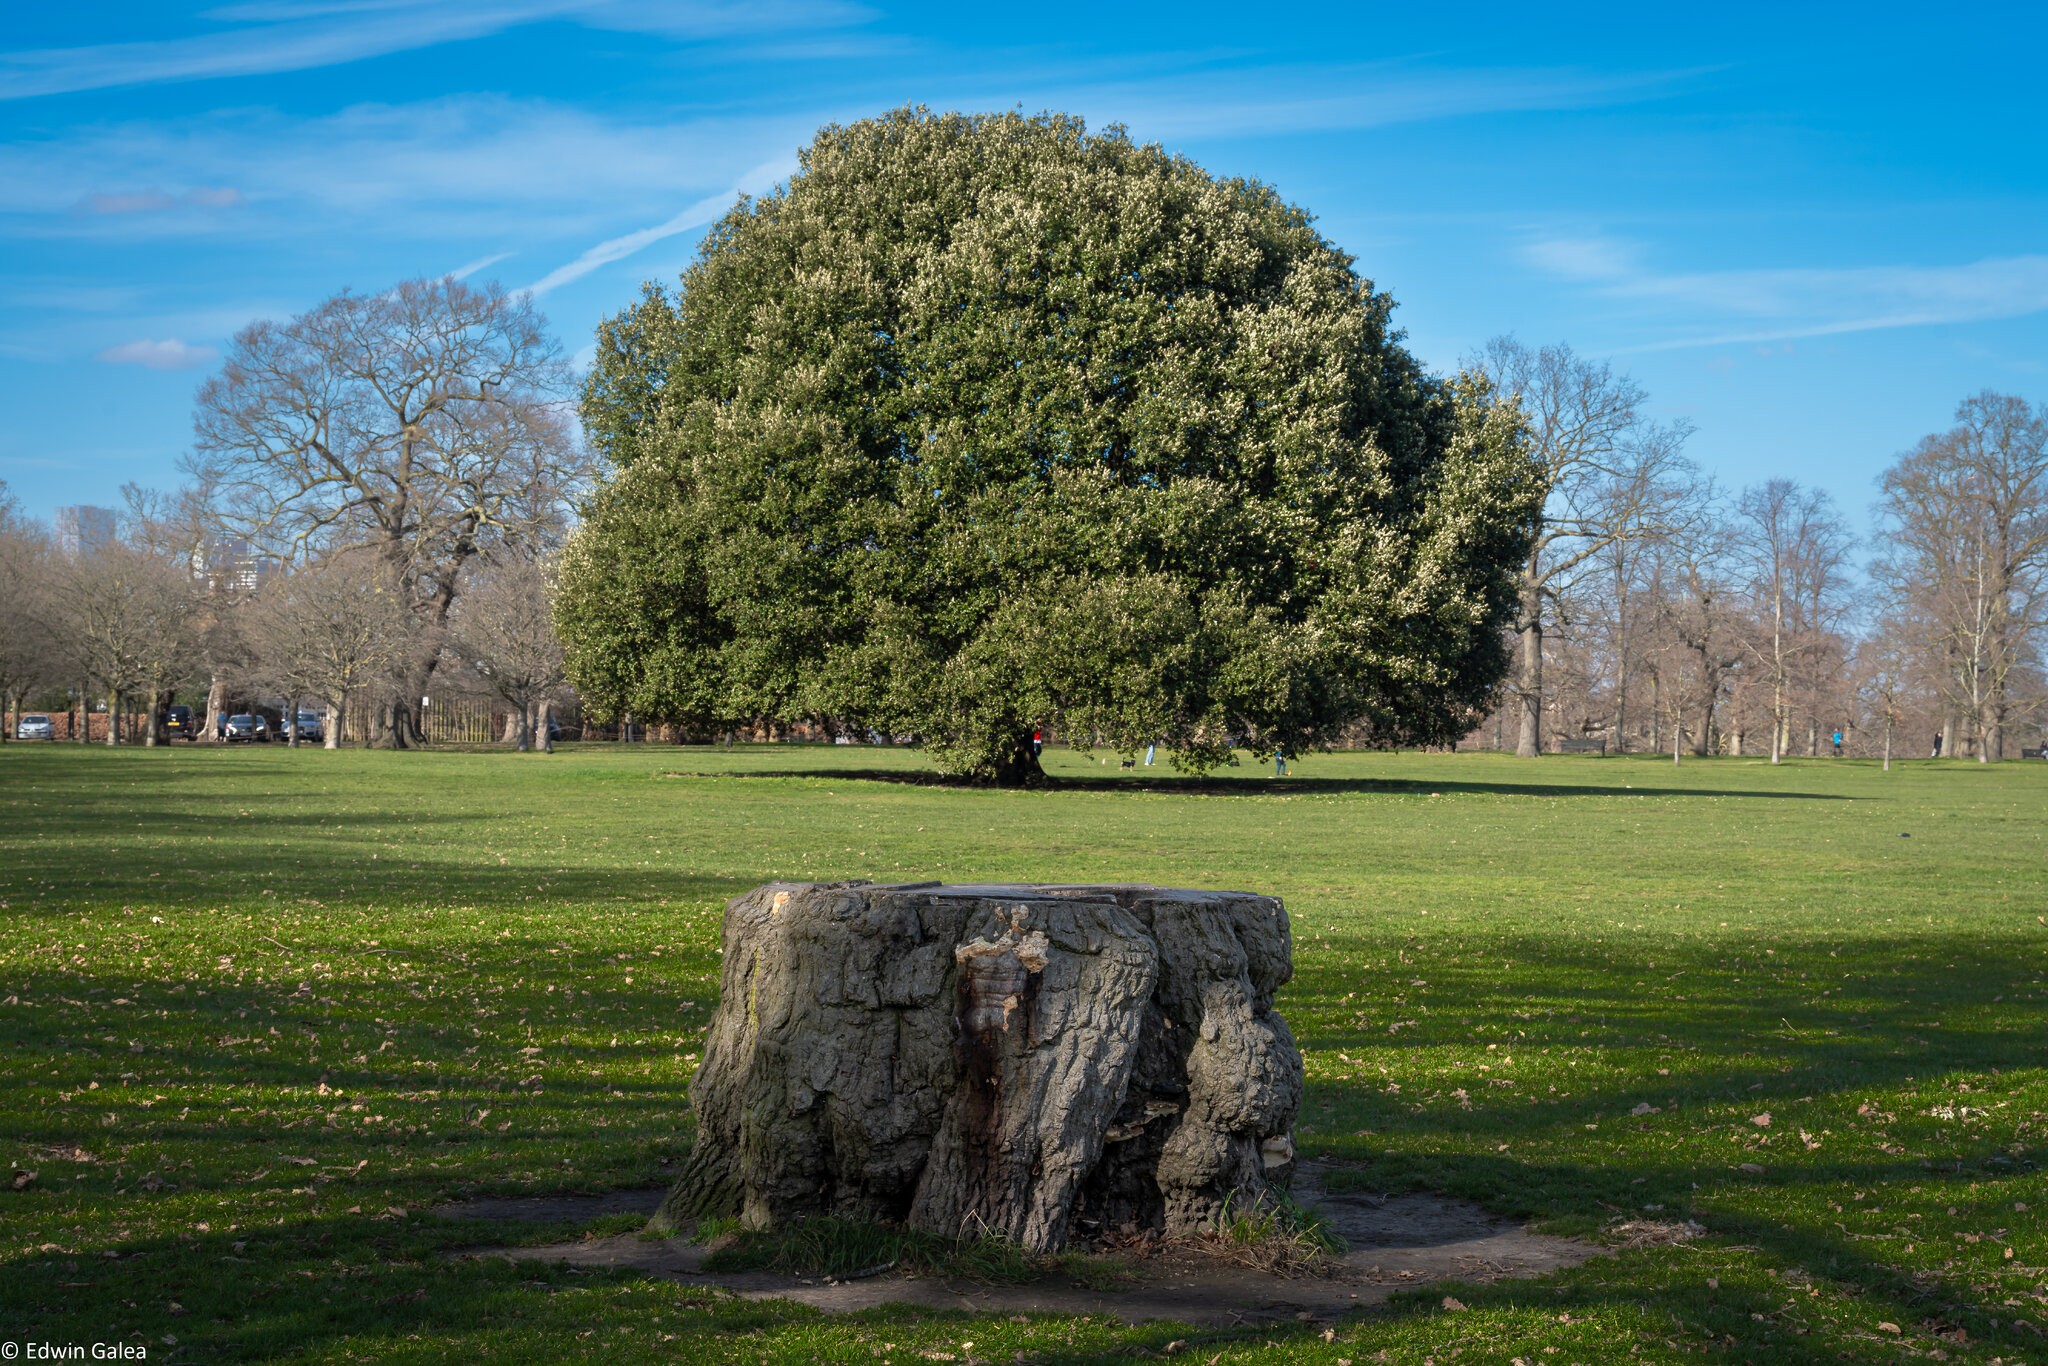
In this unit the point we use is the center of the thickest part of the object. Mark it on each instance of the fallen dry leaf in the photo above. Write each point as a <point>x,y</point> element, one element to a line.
<point>23,1180</point>
<point>1657,1232</point>
<point>1762,1121</point>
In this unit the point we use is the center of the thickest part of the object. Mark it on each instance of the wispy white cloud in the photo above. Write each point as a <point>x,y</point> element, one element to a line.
<point>279,36</point>
<point>123,202</point>
<point>1752,306</point>
<point>1235,101</point>
<point>481,263</point>
<point>1597,259</point>
<point>695,216</point>
<point>168,354</point>
<point>453,168</point>
<point>132,201</point>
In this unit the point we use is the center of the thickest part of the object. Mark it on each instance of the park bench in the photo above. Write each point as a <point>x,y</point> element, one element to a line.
<point>1581,746</point>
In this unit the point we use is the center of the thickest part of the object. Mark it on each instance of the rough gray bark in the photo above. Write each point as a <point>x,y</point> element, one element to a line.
<point>1529,688</point>
<point>994,1059</point>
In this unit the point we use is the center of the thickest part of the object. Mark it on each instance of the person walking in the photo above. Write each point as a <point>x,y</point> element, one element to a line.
<point>1279,762</point>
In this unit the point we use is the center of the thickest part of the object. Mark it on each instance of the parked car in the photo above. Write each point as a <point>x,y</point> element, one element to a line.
<point>311,728</point>
<point>249,727</point>
<point>178,723</point>
<point>35,725</point>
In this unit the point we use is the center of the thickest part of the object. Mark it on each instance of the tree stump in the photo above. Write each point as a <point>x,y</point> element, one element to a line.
<point>1006,1059</point>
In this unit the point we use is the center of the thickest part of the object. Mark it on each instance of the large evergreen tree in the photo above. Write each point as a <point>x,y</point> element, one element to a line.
<point>983,422</point>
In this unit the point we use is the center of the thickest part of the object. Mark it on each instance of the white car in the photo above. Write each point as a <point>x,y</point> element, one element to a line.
<point>35,725</point>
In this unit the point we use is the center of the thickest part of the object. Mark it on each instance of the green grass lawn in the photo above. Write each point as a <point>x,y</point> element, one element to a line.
<point>259,1009</point>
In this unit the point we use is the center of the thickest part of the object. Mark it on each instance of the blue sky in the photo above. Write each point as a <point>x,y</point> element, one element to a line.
<point>1810,230</point>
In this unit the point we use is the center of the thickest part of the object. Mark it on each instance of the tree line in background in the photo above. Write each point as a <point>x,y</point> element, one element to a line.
<point>383,497</point>
<point>377,490</point>
<point>400,537</point>
<point>1661,612</point>
<point>124,629</point>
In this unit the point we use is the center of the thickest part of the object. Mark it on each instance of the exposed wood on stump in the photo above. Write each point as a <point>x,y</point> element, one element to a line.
<point>1002,1059</point>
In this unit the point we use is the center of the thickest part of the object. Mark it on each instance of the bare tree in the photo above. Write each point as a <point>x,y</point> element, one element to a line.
<point>31,646</point>
<point>1795,552</point>
<point>1966,512</point>
<point>1613,476</point>
<point>508,648</point>
<point>133,620</point>
<point>1886,682</point>
<point>337,630</point>
<point>425,424</point>
<point>180,528</point>
<point>1697,634</point>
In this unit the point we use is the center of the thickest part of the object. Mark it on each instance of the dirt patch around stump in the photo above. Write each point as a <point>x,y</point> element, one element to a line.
<point>1397,1242</point>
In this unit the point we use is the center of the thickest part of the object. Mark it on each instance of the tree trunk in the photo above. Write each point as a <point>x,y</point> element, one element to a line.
<point>395,728</point>
<point>1529,742</point>
<point>520,723</point>
<point>216,703</point>
<point>1020,768</point>
<point>84,726</point>
<point>1887,744</point>
<point>547,738</point>
<point>149,723</point>
<point>1008,1061</point>
<point>113,717</point>
<point>332,740</point>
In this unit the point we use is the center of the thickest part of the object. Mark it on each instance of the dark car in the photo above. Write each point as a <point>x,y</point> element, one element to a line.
<point>178,724</point>
<point>248,726</point>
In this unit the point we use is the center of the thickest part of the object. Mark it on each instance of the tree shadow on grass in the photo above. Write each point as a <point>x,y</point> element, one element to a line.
<point>1257,786</point>
<point>311,1279</point>
<point>67,865</point>
<point>1751,1318</point>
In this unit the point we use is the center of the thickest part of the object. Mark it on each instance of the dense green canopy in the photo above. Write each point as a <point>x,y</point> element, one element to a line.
<point>983,423</point>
